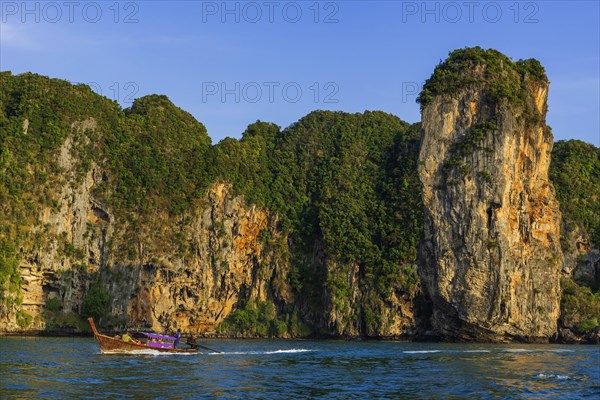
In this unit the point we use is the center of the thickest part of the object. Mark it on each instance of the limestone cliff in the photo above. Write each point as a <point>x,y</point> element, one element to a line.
<point>340,225</point>
<point>228,264</point>
<point>164,273</point>
<point>228,261</point>
<point>132,216</point>
<point>491,253</point>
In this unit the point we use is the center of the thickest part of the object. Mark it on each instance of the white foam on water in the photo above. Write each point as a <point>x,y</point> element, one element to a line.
<point>477,351</point>
<point>538,351</point>
<point>518,351</point>
<point>281,351</point>
<point>289,351</point>
<point>552,376</point>
<point>421,351</point>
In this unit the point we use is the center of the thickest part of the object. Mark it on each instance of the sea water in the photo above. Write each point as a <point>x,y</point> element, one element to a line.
<point>74,368</point>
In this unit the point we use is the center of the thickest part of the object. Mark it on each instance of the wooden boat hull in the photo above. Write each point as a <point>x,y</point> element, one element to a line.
<point>114,346</point>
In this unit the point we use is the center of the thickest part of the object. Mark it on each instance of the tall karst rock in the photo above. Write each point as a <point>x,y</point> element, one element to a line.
<point>491,252</point>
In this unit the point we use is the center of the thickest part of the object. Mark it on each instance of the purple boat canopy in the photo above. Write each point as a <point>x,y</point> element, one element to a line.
<point>149,335</point>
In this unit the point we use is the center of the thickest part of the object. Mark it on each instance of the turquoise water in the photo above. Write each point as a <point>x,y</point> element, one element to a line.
<point>74,368</point>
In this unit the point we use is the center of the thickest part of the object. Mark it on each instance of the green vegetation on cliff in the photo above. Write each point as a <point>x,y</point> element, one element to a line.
<point>155,158</point>
<point>366,206</point>
<point>501,82</point>
<point>260,319</point>
<point>464,148</point>
<point>474,66</point>
<point>159,158</point>
<point>10,279</point>
<point>344,187</point>
<point>575,172</point>
<point>580,308</point>
<point>37,114</point>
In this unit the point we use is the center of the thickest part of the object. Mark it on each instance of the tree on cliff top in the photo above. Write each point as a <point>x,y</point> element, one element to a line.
<point>462,69</point>
<point>159,158</point>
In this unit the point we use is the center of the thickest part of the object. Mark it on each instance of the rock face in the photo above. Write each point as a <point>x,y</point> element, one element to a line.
<point>491,253</point>
<point>345,316</point>
<point>231,252</point>
<point>229,264</point>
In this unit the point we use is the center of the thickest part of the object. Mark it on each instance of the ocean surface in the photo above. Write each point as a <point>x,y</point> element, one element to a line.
<point>74,368</point>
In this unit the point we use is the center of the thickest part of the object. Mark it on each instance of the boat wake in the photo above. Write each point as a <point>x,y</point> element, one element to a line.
<point>538,351</point>
<point>281,351</point>
<point>421,351</point>
<point>498,351</point>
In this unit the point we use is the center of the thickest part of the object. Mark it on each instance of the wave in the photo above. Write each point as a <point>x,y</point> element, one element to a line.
<point>538,351</point>
<point>518,351</point>
<point>553,376</point>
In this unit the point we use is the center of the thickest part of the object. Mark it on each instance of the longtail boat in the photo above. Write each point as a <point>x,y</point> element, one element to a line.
<point>138,341</point>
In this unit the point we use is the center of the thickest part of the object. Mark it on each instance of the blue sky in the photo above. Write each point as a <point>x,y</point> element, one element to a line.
<point>232,63</point>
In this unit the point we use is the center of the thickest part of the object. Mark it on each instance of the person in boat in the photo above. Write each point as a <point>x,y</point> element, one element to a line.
<point>127,338</point>
<point>191,341</point>
<point>177,336</point>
